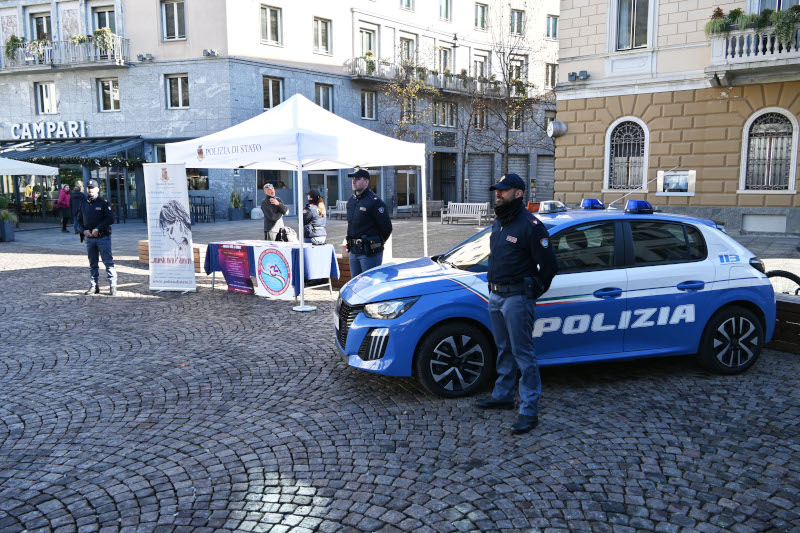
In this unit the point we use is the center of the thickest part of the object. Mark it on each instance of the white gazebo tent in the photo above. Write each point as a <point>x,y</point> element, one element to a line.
<point>301,136</point>
<point>12,167</point>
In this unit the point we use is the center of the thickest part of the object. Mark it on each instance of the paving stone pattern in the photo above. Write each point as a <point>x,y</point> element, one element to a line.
<point>222,412</point>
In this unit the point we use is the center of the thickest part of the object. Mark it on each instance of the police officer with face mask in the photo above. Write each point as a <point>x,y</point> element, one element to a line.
<point>94,224</point>
<point>368,225</point>
<point>521,266</point>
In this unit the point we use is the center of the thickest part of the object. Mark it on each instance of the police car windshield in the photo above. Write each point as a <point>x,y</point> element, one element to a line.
<point>472,254</point>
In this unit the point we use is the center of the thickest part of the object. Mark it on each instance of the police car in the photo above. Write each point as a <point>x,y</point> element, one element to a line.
<point>630,284</point>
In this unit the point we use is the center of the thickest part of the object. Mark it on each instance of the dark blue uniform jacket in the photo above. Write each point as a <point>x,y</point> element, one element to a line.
<point>367,216</point>
<point>95,214</point>
<point>519,250</point>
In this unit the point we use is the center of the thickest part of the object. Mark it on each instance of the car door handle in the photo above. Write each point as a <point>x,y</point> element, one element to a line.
<point>693,285</point>
<point>608,292</point>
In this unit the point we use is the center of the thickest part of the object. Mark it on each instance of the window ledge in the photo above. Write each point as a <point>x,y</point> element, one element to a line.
<point>272,43</point>
<point>366,118</point>
<point>110,110</point>
<point>674,194</point>
<point>178,108</point>
<point>321,53</point>
<point>792,191</point>
<point>624,191</point>
<point>172,40</point>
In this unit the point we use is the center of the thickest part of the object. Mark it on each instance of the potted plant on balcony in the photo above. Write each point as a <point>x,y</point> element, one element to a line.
<point>79,38</point>
<point>12,43</point>
<point>7,221</point>
<point>422,73</point>
<point>34,50</point>
<point>785,21</point>
<point>235,211</point>
<point>718,23</point>
<point>369,59</point>
<point>103,39</point>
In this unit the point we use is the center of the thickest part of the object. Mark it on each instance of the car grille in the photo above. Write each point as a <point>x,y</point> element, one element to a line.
<point>347,314</point>
<point>374,345</point>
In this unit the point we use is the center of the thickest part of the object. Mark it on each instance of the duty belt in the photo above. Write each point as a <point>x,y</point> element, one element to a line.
<point>500,288</point>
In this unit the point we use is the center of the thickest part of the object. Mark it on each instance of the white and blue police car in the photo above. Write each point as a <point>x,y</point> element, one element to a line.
<point>630,284</point>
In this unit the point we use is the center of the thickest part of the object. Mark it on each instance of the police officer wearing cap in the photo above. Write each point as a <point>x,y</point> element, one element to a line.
<point>368,225</point>
<point>521,265</point>
<point>94,225</point>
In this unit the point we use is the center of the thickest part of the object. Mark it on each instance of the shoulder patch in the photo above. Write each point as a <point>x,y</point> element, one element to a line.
<point>544,243</point>
<point>381,210</point>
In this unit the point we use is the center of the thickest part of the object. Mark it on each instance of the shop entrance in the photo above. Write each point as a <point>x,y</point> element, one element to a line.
<point>119,190</point>
<point>327,183</point>
<point>444,177</point>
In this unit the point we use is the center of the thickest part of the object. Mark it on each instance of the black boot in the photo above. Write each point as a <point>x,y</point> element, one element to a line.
<point>524,424</point>
<point>94,289</point>
<point>491,403</point>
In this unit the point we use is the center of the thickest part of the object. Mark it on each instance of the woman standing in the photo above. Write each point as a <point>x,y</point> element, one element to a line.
<point>76,199</point>
<point>314,219</point>
<point>63,206</point>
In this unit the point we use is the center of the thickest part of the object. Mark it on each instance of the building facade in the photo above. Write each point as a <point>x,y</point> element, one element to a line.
<point>701,125</point>
<point>99,86</point>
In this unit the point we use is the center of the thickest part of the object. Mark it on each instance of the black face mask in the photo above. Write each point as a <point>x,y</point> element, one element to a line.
<point>506,212</point>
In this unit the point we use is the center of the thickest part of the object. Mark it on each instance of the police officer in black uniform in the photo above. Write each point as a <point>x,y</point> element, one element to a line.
<point>368,225</point>
<point>521,265</point>
<point>94,224</point>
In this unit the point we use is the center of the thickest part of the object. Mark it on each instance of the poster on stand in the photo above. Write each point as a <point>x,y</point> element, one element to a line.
<point>169,228</point>
<point>274,272</point>
<point>235,268</point>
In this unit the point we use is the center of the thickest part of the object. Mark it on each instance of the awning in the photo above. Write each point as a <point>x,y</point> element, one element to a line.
<point>54,148</point>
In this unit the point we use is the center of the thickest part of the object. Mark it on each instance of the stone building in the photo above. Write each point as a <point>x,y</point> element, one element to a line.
<point>694,124</point>
<point>167,70</point>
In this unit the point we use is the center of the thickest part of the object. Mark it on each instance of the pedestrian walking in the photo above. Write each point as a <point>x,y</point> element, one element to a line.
<point>63,205</point>
<point>314,219</point>
<point>274,209</point>
<point>75,200</point>
<point>368,225</point>
<point>94,223</point>
<point>521,266</point>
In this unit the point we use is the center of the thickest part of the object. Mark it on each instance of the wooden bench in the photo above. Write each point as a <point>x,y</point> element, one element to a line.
<point>344,272</point>
<point>787,325</point>
<point>144,255</point>
<point>457,211</point>
<point>340,209</point>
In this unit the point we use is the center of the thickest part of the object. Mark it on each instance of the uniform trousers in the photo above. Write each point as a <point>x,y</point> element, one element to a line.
<point>100,247</point>
<point>512,325</point>
<point>361,262</point>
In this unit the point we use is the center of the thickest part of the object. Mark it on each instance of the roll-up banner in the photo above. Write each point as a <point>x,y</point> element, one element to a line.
<point>169,228</point>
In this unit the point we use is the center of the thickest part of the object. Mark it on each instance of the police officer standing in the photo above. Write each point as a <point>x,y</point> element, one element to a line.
<point>94,224</point>
<point>368,225</point>
<point>521,266</point>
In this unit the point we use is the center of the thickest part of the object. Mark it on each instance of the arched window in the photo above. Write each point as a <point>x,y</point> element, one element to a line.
<point>769,161</point>
<point>626,155</point>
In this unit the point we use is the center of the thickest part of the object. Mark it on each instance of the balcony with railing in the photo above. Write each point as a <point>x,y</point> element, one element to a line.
<point>381,71</point>
<point>750,51</point>
<point>42,55</point>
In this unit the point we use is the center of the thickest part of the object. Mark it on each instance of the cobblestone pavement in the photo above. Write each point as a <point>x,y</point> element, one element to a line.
<point>215,411</point>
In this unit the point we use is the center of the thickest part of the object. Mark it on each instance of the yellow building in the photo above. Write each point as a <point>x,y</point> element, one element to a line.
<point>706,126</point>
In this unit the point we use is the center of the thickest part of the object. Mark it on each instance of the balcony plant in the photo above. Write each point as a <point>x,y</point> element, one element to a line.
<point>79,38</point>
<point>422,73</point>
<point>718,23</point>
<point>103,39</point>
<point>12,43</point>
<point>369,58</point>
<point>785,21</point>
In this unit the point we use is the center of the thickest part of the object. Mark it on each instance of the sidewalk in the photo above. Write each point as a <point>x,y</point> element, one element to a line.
<point>778,252</point>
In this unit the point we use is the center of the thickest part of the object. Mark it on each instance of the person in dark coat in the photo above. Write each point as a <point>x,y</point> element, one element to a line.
<point>521,266</point>
<point>75,200</point>
<point>274,209</point>
<point>94,222</point>
<point>314,219</point>
<point>368,225</point>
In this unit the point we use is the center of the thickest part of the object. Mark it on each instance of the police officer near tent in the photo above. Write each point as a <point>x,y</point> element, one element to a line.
<point>94,225</point>
<point>521,266</point>
<point>368,225</point>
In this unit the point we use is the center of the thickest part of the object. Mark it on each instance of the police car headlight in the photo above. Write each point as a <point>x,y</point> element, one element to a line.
<point>389,309</point>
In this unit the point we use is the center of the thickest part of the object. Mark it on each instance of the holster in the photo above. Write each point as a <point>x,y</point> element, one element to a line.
<point>533,287</point>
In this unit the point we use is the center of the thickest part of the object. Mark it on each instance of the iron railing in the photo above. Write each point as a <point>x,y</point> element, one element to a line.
<point>37,54</point>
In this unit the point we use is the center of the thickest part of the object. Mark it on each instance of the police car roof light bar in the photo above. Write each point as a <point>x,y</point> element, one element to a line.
<point>551,206</point>
<point>639,207</point>
<point>592,203</point>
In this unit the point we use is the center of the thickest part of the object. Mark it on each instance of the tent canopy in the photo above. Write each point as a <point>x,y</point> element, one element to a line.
<point>12,167</point>
<point>295,133</point>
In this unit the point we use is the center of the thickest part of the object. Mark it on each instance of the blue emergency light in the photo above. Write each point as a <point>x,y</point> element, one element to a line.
<point>639,207</point>
<point>592,203</point>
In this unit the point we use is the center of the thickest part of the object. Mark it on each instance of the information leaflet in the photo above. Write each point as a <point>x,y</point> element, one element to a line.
<point>169,228</point>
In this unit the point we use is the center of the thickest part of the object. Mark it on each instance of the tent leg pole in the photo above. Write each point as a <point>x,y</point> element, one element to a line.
<point>424,181</point>
<point>302,273</point>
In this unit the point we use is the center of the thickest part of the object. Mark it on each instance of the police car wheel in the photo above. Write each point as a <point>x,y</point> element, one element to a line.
<point>454,360</point>
<point>732,341</point>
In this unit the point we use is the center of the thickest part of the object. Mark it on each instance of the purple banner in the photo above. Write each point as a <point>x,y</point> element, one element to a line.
<point>236,268</point>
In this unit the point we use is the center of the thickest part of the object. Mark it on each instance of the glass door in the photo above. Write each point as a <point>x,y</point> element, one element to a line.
<point>327,183</point>
<point>406,187</point>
